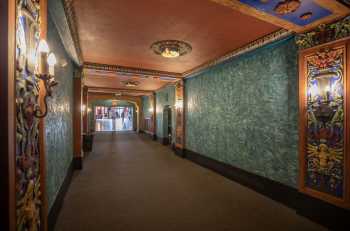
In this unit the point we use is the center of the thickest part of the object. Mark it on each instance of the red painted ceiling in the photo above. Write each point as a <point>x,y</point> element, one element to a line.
<point>120,32</point>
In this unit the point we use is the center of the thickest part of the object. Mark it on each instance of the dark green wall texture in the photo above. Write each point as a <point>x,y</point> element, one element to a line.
<point>245,112</point>
<point>146,105</point>
<point>59,121</point>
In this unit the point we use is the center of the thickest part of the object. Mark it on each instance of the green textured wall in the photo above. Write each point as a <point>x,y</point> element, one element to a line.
<point>59,121</point>
<point>164,97</point>
<point>146,105</point>
<point>244,112</point>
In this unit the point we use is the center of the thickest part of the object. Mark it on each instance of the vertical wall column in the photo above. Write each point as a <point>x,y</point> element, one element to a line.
<point>85,110</point>
<point>7,115</point>
<point>77,121</point>
<point>154,117</point>
<point>179,107</point>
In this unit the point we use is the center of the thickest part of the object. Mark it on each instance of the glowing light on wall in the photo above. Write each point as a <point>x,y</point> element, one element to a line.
<point>179,104</point>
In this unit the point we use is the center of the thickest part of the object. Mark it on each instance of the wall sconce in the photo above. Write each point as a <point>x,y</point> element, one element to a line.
<point>83,108</point>
<point>46,72</point>
<point>89,110</point>
<point>179,104</point>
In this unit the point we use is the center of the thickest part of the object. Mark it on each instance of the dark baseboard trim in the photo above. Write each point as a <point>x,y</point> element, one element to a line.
<point>78,163</point>
<point>57,205</point>
<point>164,140</point>
<point>328,215</point>
<point>179,152</point>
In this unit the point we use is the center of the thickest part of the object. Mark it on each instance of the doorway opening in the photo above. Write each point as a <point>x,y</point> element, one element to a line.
<point>167,125</point>
<point>112,119</point>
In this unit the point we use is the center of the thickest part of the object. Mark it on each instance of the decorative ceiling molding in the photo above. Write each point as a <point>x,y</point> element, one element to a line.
<point>117,90</point>
<point>280,34</point>
<point>324,34</point>
<point>326,11</point>
<point>71,17</point>
<point>130,70</point>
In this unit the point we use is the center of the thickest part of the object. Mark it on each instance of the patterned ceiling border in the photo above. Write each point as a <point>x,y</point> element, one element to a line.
<point>345,2</point>
<point>280,34</point>
<point>116,90</point>
<point>324,34</point>
<point>72,23</point>
<point>130,70</point>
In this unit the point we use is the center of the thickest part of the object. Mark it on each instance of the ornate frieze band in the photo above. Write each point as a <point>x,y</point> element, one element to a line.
<point>130,70</point>
<point>250,47</point>
<point>324,34</point>
<point>71,17</point>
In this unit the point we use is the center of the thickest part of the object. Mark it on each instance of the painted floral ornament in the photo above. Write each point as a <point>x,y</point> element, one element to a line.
<point>287,6</point>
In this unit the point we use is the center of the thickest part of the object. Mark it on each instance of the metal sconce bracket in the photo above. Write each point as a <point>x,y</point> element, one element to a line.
<point>49,82</point>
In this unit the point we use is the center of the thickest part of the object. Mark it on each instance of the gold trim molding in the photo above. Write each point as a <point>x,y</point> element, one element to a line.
<point>130,70</point>
<point>72,23</point>
<point>280,34</point>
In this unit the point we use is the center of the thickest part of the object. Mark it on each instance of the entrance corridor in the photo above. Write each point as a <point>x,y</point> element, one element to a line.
<point>131,183</point>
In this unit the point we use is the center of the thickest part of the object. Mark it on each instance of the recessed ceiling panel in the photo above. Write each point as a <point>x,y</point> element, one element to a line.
<point>121,32</point>
<point>299,12</point>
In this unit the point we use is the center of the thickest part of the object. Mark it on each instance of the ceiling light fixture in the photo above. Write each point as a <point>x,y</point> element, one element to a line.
<point>171,48</point>
<point>131,83</point>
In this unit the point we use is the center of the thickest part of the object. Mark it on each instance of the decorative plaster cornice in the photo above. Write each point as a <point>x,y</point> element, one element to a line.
<point>71,17</point>
<point>130,70</point>
<point>247,48</point>
<point>324,34</point>
<point>117,90</point>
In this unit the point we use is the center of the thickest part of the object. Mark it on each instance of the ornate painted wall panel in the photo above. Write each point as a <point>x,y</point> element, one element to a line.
<point>179,115</point>
<point>245,112</point>
<point>28,185</point>
<point>323,141</point>
<point>325,122</point>
<point>59,121</point>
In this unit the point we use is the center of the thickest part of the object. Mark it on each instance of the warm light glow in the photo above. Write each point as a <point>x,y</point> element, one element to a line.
<point>43,47</point>
<point>327,89</point>
<point>89,110</point>
<point>170,53</point>
<point>179,104</point>
<point>314,91</point>
<point>51,60</point>
<point>151,109</point>
<point>83,108</point>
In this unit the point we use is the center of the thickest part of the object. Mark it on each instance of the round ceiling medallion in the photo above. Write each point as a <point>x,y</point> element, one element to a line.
<point>171,48</point>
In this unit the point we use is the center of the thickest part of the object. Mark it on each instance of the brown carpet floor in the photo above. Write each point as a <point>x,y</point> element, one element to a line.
<point>131,183</point>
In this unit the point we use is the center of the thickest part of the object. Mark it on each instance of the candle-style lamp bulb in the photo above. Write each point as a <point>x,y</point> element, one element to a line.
<point>43,53</point>
<point>51,60</point>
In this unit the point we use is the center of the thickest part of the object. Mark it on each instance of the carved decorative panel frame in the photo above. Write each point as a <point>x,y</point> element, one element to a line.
<point>324,119</point>
<point>29,193</point>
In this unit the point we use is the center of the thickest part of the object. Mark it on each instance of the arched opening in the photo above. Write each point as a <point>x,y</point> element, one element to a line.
<point>113,115</point>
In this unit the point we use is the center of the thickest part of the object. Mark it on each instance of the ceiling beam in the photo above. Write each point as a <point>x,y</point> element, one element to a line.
<point>130,70</point>
<point>118,90</point>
